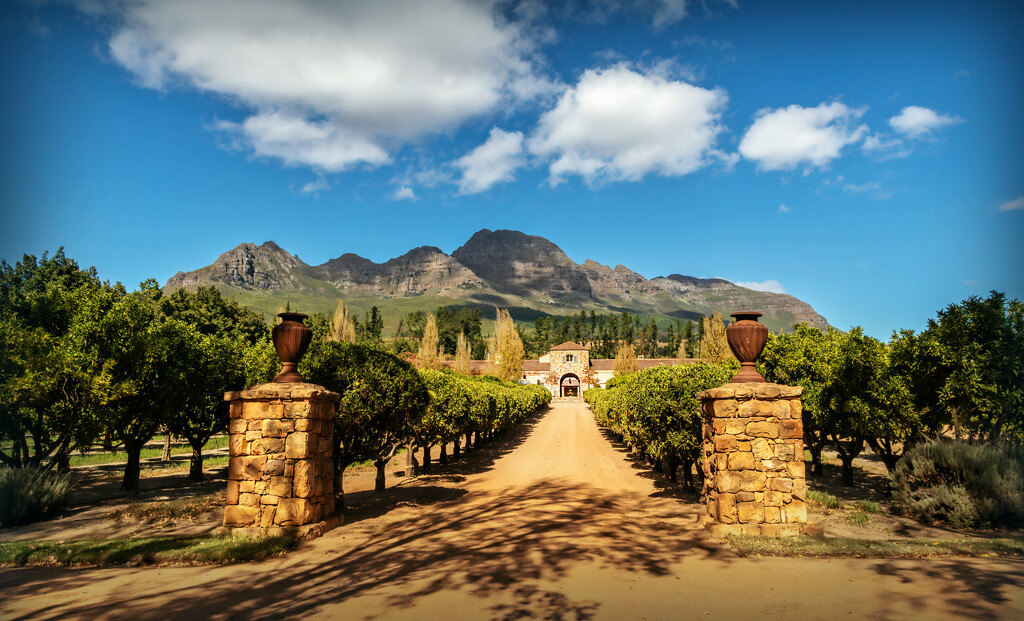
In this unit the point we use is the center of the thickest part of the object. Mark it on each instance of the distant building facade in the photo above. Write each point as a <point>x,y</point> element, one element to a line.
<point>567,370</point>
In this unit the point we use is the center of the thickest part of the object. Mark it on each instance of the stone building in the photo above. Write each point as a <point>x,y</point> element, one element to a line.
<point>567,370</point>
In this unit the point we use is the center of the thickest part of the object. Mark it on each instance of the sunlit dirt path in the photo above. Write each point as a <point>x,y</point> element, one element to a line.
<point>552,522</point>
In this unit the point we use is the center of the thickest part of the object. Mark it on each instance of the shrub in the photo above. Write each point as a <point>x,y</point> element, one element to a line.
<point>31,494</point>
<point>824,499</point>
<point>859,518</point>
<point>961,485</point>
<point>869,507</point>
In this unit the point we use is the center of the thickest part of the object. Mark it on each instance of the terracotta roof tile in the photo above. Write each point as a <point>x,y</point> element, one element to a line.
<point>570,346</point>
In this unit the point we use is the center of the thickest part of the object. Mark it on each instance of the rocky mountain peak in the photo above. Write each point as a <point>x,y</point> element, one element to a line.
<point>513,262</point>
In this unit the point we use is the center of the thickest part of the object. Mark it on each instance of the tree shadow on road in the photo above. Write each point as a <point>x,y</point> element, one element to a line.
<point>984,586</point>
<point>495,545</point>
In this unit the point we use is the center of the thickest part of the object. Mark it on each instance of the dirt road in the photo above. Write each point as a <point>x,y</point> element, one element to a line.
<point>554,522</point>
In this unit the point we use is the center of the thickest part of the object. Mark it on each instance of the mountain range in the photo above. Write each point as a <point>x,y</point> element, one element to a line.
<point>526,274</point>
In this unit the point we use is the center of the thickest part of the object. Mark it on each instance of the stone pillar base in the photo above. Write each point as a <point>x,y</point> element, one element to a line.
<point>280,472</point>
<point>754,480</point>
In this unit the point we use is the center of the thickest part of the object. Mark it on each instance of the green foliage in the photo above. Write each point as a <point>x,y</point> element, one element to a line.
<point>824,499</point>
<point>31,494</point>
<point>859,518</point>
<point>144,551</point>
<point>448,414</point>
<point>657,411</point>
<point>821,546</point>
<point>869,507</point>
<point>382,398</point>
<point>976,355</point>
<point>455,320</point>
<point>47,391</point>
<point>962,485</point>
<point>212,315</point>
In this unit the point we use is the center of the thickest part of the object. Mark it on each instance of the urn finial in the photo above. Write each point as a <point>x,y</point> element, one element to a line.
<point>291,339</point>
<point>747,339</point>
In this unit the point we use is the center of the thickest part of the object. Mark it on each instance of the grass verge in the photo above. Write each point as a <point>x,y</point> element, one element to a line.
<point>820,546</point>
<point>99,459</point>
<point>149,551</point>
<point>167,510</point>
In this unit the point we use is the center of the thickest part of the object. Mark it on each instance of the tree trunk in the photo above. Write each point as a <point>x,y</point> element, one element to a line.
<point>456,450</point>
<point>408,460</point>
<point>380,483</point>
<point>63,462</point>
<point>444,453</point>
<point>469,441</point>
<point>339,488</point>
<point>886,452</point>
<point>426,458</point>
<point>167,448</point>
<point>847,470</point>
<point>669,469</point>
<point>815,451</point>
<point>688,473</point>
<point>195,467</point>
<point>108,442</point>
<point>131,470</point>
<point>847,453</point>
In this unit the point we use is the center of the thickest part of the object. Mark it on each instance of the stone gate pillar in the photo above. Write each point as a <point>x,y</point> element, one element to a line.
<point>754,480</point>
<point>280,471</point>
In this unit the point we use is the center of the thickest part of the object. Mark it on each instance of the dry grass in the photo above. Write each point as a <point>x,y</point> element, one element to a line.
<point>819,546</point>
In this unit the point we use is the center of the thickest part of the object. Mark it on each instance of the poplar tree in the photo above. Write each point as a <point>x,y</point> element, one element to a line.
<point>714,347</point>
<point>342,326</point>
<point>462,364</point>
<point>625,360</point>
<point>427,357</point>
<point>509,348</point>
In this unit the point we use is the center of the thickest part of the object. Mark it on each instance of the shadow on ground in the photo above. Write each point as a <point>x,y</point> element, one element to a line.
<point>483,543</point>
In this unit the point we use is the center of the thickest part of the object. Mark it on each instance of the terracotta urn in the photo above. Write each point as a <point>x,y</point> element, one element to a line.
<point>746,339</point>
<point>291,338</point>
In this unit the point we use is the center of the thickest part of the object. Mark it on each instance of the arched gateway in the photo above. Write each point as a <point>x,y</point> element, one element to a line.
<point>567,370</point>
<point>569,386</point>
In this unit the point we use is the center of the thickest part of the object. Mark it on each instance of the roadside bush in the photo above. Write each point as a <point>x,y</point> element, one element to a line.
<point>31,494</point>
<point>961,485</point>
<point>656,411</point>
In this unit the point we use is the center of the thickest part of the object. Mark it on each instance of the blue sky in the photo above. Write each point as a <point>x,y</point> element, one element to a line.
<point>861,156</point>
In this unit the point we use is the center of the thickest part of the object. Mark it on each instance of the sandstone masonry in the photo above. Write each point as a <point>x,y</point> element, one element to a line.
<point>754,480</point>
<point>280,472</point>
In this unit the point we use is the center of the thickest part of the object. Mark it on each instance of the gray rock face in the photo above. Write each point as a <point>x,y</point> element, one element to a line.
<point>607,282</point>
<point>266,267</point>
<point>421,269</point>
<point>489,264</point>
<point>513,262</point>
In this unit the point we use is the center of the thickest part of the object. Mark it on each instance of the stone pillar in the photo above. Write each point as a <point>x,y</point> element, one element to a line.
<point>280,473</point>
<point>754,481</point>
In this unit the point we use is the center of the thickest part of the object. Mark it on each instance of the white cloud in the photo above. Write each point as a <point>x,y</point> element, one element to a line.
<point>403,193</point>
<point>369,75</point>
<point>863,187</point>
<point>296,141</point>
<point>772,286</point>
<point>621,124</point>
<point>784,138</point>
<point>917,122</point>
<point>318,185</point>
<point>883,148</point>
<point>784,209</point>
<point>872,187</point>
<point>1015,204</point>
<point>491,163</point>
